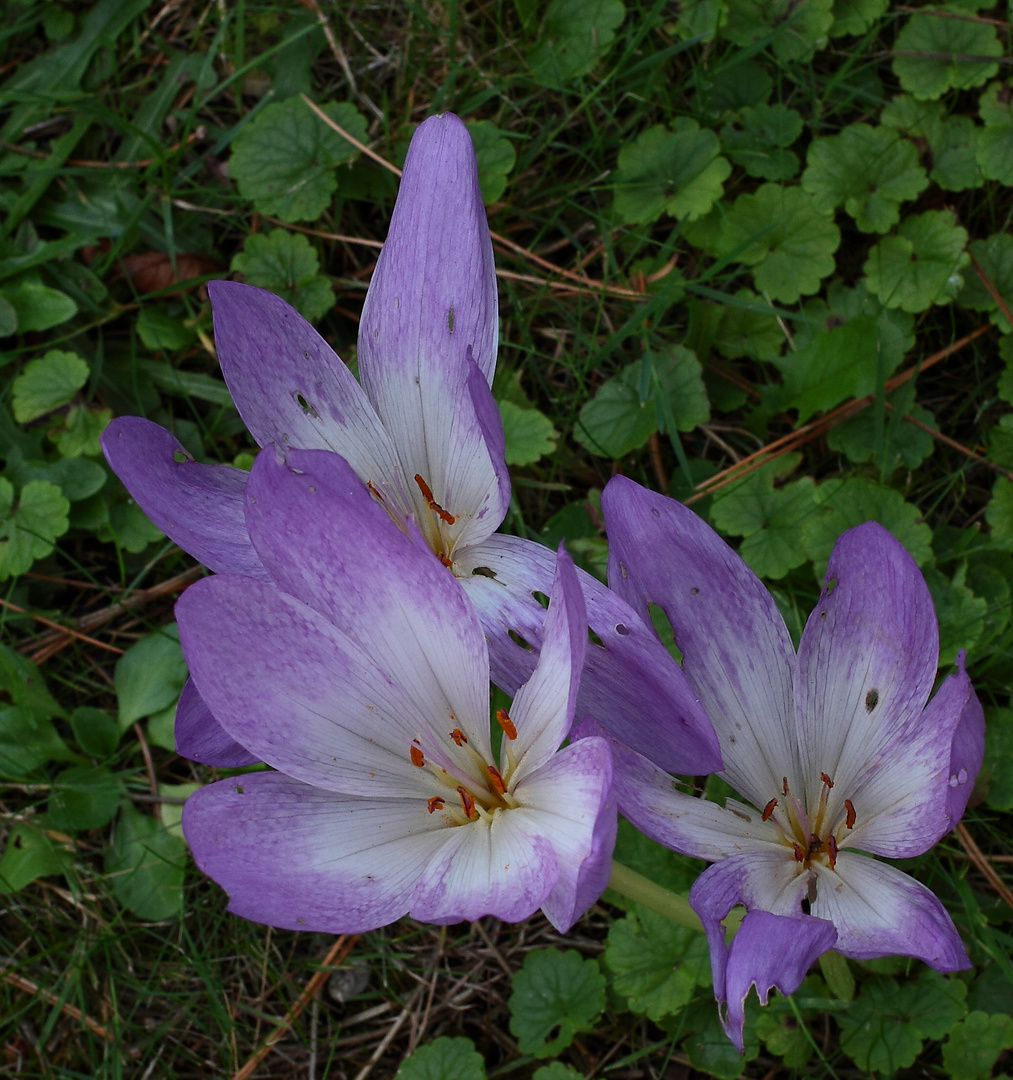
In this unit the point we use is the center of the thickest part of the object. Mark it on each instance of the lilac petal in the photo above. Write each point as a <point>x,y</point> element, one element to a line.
<point>327,541</point>
<point>630,682</point>
<point>199,507</point>
<point>866,663</point>
<point>648,797</point>
<point>919,789</point>
<point>779,943</point>
<point>542,710</point>
<point>289,385</point>
<point>298,693</point>
<point>569,801</point>
<point>879,911</point>
<point>968,748</point>
<point>301,858</point>
<point>200,737</point>
<point>504,868</point>
<point>737,655</point>
<point>490,423</point>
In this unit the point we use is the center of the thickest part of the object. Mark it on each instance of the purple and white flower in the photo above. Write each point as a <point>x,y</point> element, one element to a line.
<point>836,750</point>
<point>422,432</point>
<point>368,693</point>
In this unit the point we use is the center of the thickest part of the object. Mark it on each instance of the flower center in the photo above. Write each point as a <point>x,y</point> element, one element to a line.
<point>475,788</point>
<point>433,520</point>
<point>813,834</point>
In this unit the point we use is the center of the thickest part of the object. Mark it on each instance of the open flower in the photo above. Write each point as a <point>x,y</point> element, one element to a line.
<point>368,694</point>
<point>423,434</point>
<point>835,749</point>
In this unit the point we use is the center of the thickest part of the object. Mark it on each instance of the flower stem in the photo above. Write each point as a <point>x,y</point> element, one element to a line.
<point>642,890</point>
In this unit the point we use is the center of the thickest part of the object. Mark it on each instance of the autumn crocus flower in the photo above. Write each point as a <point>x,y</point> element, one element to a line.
<point>368,694</point>
<point>836,751</point>
<point>423,434</point>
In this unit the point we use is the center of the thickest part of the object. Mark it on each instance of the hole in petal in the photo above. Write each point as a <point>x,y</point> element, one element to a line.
<point>831,585</point>
<point>666,634</point>
<point>622,629</point>
<point>240,790</point>
<point>306,407</point>
<point>483,571</point>
<point>450,320</point>
<point>518,640</point>
<point>594,639</point>
<point>540,597</point>
<point>871,700</point>
<point>180,456</point>
<point>694,591</point>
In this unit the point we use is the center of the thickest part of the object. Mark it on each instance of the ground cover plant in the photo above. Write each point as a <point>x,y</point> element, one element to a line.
<point>752,255</point>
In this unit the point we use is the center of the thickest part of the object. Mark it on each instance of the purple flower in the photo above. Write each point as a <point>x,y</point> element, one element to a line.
<point>368,692</point>
<point>422,432</point>
<point>836,750</point>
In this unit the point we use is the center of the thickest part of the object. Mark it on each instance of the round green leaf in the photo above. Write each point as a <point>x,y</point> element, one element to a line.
<point>997,769</point>
<point>785,237</point>
<point>933,54</point>
<point>37,306</point>
<point>869,171</point>
<point>84,797</point>
<point>677,172</point>
<point>995,143</point>
<point>28,740</point>
<point>29,854</point>
<point>495,156</point>
<point>286,264</point>
<point>96,732</point>
<point>30,524</point>
<point>995,257</point>
<point>144,866</point>
<point>856,16</point>
<point>79,434</point>
<point>529,434</point>
<point>285,159</point>
<point>952,140</point>
<point>47,383</point>
<point>554,990</point>
<point>757,138</point>
<point>443,1059</point>
<point>617,419</point>
<point>920,265</point>
<point>794,29</point>
<point>575,35</point>
<point>975,1044</point>
<point>149,675</point>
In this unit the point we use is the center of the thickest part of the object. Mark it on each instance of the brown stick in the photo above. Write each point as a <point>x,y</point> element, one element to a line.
<point>60,627</point>
<point>65,1007</point>
<point>338,951</point>
<point>980,860</point>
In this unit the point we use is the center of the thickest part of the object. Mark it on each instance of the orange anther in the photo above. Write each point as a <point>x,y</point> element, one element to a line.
<point>799,852</point>
<point>416,755</point>
<point>784,786</point>
<point>849,809</point>
<point>427,494</point>
<point>497,779</point>
<point>506,724</point>
<point>467,802</point>
<point>434,804</point>
<point>458,736</point>
<point>445,559</point>
<point>826,780</point>
<point>372,490</point>
<point>768,810</point>
<point>832,850</point>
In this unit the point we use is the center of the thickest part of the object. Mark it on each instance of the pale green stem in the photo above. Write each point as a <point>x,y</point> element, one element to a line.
<point>643,891</point>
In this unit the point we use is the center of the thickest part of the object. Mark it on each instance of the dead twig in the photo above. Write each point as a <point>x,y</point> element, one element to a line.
<point>980,860</point>
<point>65,1007</point>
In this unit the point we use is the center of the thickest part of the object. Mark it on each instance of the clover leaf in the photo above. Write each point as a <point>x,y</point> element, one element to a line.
<point>30,524</point>
<point>794,29</point>
<point>995,143</point>
<point>975,1043</point>
<point>445,1058</point>
<point>495,156</point>
<point>757,139</point>
<point>869,171</point>
<point>784,236</point>
<point>286,264</point>
<point>933,54</point>
<point>46,384</point>
<point>677,171</point>
<point>952,140</point>
<point>995,257</point>
<point>575,35</point>
<point>856,16</point>
<point>285,159</point>
<point>556,995</point>
<point>529,434</point>
<point>920,265</point>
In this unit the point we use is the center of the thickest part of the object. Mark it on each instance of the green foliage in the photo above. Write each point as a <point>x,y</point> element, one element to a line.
<point>997,770</point>
<point>856,16</point>
<point>656,965</point>
<point>934,54</point>
<point>961,614</point>
<point>999,514</point>
<point>676,171</point>
<point>742,327</point>
<point>30,524</point>
<point>95,731</point>
<point>29,854</point>
<point>496,158</point>
<point>443,1059</point>
<point>285,159</point>
<point>783,235</point>
<point>975,1043</point>
<point>920,265</point>
<point>32,306</point>
<point>554,992</point>
<point>995,257</point>
<point>161,331</point>
<point>793,29</point>
<point>575,35</point>
<point>27,741</point>
<point>286,264</point>
<point>529,433</point>
<point>869,171</point>
<point>149,675</point>
<point>757,140</point>
<point>903,444</point>
<point>47,383</point>
<point>144,866</point>
<point>995,143</point>
<point>84,797</point>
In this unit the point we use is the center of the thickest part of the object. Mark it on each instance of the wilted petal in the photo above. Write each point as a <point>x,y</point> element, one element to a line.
<point>866,663</point>
<point>199,507</point>
<point>568,802</point>
<point>200,737</point>
<point>303,858</point>
<point>325,540</point>
<point>289,385</point>
<point>879,911</point>
<point>968,749</point>
<point>737,655</point>
<point>630,683</point>
<point>299,694</point>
